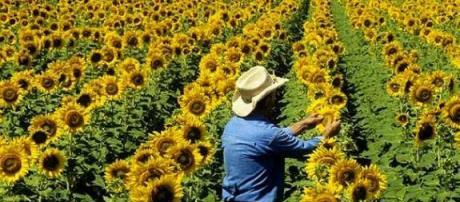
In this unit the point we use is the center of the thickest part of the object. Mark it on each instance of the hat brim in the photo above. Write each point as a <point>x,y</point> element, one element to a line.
<point>243,109</point>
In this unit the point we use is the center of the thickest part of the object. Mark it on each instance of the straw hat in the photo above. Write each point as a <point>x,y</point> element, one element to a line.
<point>252,86</point>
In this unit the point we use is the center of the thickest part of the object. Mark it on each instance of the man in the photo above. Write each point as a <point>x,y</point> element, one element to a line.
<point>254,148</point>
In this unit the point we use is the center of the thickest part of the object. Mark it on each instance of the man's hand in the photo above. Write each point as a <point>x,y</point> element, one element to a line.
<point>307,123</point>
<point>332,129</point>
<point>311,121</point>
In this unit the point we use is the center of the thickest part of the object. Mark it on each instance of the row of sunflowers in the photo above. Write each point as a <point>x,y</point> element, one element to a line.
<point>316,61</point>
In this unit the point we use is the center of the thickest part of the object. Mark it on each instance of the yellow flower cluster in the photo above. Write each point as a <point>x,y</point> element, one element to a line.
<point>424,90</point>
<point>122,72</point>
<point>184,145</point>
<point>317,55</point>
<point>419,17</point>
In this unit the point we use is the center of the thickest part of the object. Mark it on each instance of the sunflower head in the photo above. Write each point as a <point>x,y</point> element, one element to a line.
<point>377,181</point>
<point>425,129</point>
<point>73,117</point>
<point>10,93</point>
<point>451,112</point>
<point>359,191</point>
<point>320,162</point>
<point>422,93</point>
<point>13,164</point>
<point>117,170</point>
<point>186,156</point>
<point>345,172</point>
<point>193,129</point>
<point>402,119</point>
<point>167,189</point>
<point>195,102</point>
<point>52,162</point>
<point>143,174</point>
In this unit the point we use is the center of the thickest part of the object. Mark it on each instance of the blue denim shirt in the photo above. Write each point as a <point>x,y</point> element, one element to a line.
<point>254,152</point>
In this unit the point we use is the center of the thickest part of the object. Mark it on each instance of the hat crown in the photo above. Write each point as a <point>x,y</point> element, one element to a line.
<point>253,82</point>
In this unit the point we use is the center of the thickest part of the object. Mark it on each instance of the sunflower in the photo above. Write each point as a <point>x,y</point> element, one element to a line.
<point>439,79</point>
<point>206,150</point>
<point>144,174</point>
<point>422,93</point>
<point>395,86</point>
<point>318,91</point>
<point>47,124</point>
<point>24,58</point>
<point>209,63</point>
<point>117,170</point>
<point>96,57</point>
<point>136,79</point>
<point>109,55</point>
<point>23,79</point>
<point>112,39</point>
<point>425,129</point>
<point>451,112</point>
<point>321,160</point>
<point>165,189</point>
<point>345,172</point>
<point>155,60</point>
<point>10,94</point>
<point>141,156</point>
<point>13,164</point>
<point>131,39</point>
<point>52,162</point>
<point>46,82</point>
<point>359,191</point>
<point>113,87</point>
<point>193,130</point>
<point>321,193</point>
<point>337,98</point>
<point>73,117</point>
<point>129,64</point>
<point>402,119</point>
<point>89,100</point>
<point>391,49</point>
<point>39,137</point>
<point>163,142</point>
<point>76,65</point>
<point>195,102</point>
<point>186,156</point>
<point>377,181</point>
<point>318,76</point>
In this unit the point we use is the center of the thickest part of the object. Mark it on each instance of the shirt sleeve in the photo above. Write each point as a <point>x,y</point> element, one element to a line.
<point>286,144</point>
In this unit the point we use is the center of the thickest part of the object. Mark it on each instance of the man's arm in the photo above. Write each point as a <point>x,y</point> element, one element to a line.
<point>286,144</point>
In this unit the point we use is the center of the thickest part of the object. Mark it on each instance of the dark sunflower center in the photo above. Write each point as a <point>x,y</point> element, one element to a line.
<point>132,41</point>
<point>402,118</point>
<point>359,193</point>
<point>116,44</point>
<point>77,73</point>
<point>57,42</point>
<point>438,82</point>
<point>96,57</point>
<point>163,193</point>
<point>337,99</point>
<point>47,83</point>
<point>10,95</point>
<point>111,89</point>
<point>194,134</point>
<point>51,163</point>
<point>185,159</point>
<point>24,84</point>
<point>395,87</point>
<point>348,176</point>
<point>425,132</point>
<point>423,95</point>
<point>211,66</point>
<point>74,119</point>
<point>39,137</point>
<point>454,113</point>
<point>151,174</point>
<point>204,151</point>
<point>164,146</point>
<point>120,172</point>
<point>373,183</point>
<point>197,107</point>
<point>402,66</point>
<point>259,56</point>
<point>84,100</point>
<point>157,63</point>
<point>10,164</point>
<point>49,126</point>
<point>392,51</point>
<point>137,79</point>
<point>144,157</point>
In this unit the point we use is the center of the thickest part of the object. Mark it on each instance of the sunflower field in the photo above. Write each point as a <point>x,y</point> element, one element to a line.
<point>126,100</point>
